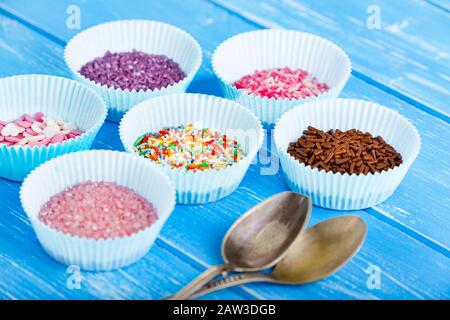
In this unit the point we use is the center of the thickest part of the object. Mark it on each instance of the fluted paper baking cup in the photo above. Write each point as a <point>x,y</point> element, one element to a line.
<point>345,191</point>
<point>55,97</point>
<point>248,52</point>
<point>63,172</point>
<point>125,35</point>
<point>203,111</point>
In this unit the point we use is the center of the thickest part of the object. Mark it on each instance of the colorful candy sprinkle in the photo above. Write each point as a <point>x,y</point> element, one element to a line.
<point>282,83</point>
<point>36,132</point>
<point>98,210</point>
<point>133,70</point>
<point>189,148</point>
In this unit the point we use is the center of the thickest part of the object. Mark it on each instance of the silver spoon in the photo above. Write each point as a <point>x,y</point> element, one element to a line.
<point>258,239</point>
<point>317,253</point>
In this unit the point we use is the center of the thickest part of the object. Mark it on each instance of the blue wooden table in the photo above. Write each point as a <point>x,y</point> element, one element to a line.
<point>401,58</point>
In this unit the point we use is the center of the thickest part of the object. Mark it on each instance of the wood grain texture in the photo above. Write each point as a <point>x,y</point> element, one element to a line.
<point>206,23</point>
<point>397,254</point>
<point>27,272</point>
<point>208,37</point>
<point>421,203</point>
<point>406,54</point>
<point>398,229</point>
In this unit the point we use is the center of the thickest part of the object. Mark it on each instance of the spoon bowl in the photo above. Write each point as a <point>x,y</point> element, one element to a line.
<point>317,253</point>
<point>258,239</point>
<point>321,250</point>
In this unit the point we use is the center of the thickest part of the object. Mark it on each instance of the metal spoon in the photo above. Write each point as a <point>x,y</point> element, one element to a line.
<point>317,253</point>
<point>259,239</point>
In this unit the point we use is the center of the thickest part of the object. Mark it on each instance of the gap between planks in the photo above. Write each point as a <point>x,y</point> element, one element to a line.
<point>31,26</point>
<point>357,74</point>
<point>381,215</point>
<point>438,6</point>
<point>200,265</point>
<point>195,263</point>
<point>419,105</point>
<point>432,244</point>
<point>377,213</point>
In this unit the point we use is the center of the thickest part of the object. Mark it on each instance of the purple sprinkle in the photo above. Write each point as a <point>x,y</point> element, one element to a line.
<point>133,70</point>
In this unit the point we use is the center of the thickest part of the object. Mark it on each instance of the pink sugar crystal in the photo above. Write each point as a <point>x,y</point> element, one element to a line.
<point>98,210</point>
<point>282,83</point>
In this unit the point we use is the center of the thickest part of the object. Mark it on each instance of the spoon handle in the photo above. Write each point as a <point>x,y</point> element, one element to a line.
<point>199,282</point>
<point>232,281</point>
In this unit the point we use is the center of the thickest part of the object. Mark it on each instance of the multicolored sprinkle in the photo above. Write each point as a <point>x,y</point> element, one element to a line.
<point>190,148</point>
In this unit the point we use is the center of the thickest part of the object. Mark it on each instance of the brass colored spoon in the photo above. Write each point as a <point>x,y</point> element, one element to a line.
<point>258,239</point>
<point>317,253</point>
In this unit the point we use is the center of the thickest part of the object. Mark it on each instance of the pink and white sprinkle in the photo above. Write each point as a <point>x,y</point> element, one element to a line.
<point>282,83</point>
<point>98,210</point>
<point>36,131</point>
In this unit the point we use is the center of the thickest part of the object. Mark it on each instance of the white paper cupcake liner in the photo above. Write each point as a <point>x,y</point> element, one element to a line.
<point>125,35</point>
<point>96,166</point>
<point>55,97</point>
<point>202,111</point>
<point>247,52</point>
<point>344,191</point>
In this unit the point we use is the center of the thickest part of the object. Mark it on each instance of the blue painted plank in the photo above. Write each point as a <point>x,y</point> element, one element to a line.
<point>401,57</point>
<point>19,58</point>
<point>423,212</point>
<point>422,201</point>
<point>206,223</point>
<point>409,269</point>
<point>26,271</point>
<point>252,189</point>
<point>406,54</point>
<point>197,231</point>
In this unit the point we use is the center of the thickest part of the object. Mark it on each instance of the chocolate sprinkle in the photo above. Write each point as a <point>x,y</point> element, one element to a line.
<point>133,70</point>
<point>351,151</point>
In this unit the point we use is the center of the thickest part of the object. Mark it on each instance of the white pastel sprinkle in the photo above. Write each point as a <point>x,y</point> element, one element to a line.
<point>49,122</point>
<point>23,141</point>
<point>69,126</point>
<point>10,130</point>
<point>51,130</point>
<point>37,138</point>
<point>36,127</point>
